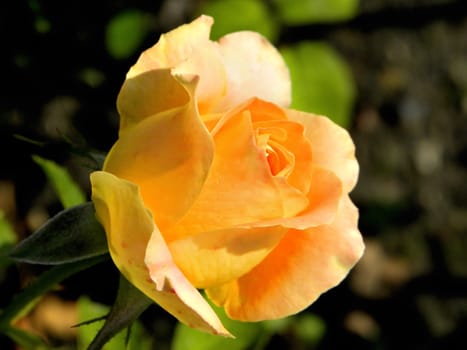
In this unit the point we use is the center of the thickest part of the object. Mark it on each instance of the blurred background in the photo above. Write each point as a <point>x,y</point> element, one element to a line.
<point>393,72</point>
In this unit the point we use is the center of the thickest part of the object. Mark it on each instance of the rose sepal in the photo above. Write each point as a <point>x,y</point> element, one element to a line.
<point>72,235</point>
<point>128,306</point>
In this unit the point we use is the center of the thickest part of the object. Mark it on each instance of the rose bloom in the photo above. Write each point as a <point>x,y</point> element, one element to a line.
<point>215,184</point>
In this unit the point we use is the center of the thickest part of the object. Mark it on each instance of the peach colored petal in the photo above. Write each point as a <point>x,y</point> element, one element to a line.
<point>262,110</point>
<point>174,47</point>
<point>242,65</point>
<point>323,201</point>
<point>254,69</point>
<point>240,188</point>
<point>188,50</point>
<point>132,236</point>
<point>216,257</point>
<point>142,96</point>
<point>304,265</point>
<point>332,146</point>
<point>288,135</point>
<point>168,155</point>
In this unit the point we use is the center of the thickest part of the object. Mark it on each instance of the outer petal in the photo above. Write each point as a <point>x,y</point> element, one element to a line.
<point>323,203</point>
<point>332,146</point>
<point>132,235</point>
<point>239,174</point>
<point>216,257</point>
<point>168,155</point>
<point>174,47</point>
<point>188,50</point>
<point>143,96</point>
<point>254,69</point>
<point>304,265</point>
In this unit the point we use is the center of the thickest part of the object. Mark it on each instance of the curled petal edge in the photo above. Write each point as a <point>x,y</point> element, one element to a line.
<point>140,253</point>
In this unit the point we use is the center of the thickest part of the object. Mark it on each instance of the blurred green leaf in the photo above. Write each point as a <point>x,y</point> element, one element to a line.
<point>67,190</point>
<point>279,325</point>
<point>73,234</point>
<point>28,297</point>
<point>26,340</point>
<point>245,334</point>
<point>127,308</point>
<point>7,234</point>
<point>7,239</point>
<point>236,15</point>
<point>309,328</point>
<point>125,33</point>
<point>321,81</point>
<point>294,12</point>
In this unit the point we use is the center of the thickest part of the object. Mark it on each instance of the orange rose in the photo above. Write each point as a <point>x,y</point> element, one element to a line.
<point>214,184</point>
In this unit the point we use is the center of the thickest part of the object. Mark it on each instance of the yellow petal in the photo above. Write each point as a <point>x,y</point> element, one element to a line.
<point>304,265</point>
<point>148,94</point>
<point>216,257</point>
<point>240,188</point>
<point>323,203</point>
<point>168,155</point>
<point>174,47</point>
<point>332,146</point>
<point>188,50</point>
<point>140,253</point>
<point>254,69</point>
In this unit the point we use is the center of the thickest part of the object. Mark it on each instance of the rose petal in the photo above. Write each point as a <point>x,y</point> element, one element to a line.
<point>303,266</point>
<point>131,236</point>
<point>293,140</point>
<point>332,146</point>
<point>239,174</point>
<point>188,50</point>
<point>141,97</point>
<point>323,201</point>
<point>168,155</point>
<point>254,69</point>
<point>216,257</point>
<point>174,47</point>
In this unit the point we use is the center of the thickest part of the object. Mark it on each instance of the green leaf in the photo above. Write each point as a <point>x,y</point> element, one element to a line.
<point>27,298</point>
<point>72,235</point>
<point>68,192</point>
<point>26,340</point>
<point>8,238</point>
<point>310,328</point>
<point>321,81</point>
<point>295,12</point>
<point>128,306</point>
<point>7,234</point>
<point>246,334</point>
<point>125,33</point>
<point>249,15</point>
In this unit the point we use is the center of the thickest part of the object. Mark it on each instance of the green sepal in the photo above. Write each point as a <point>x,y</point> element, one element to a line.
<point>128,306</point>
<point>27,298</point>
<point>72,235</point>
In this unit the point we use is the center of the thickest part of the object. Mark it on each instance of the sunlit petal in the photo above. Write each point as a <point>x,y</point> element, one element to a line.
<point>254,69</point>
<point>240,184</point>
<point>168,155</point>
<point>225,254</point>
<point>188,50</point>
<point>303,266</point>
<point>332,146</point>
<point>141,97</point>
<point>132,236</point>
